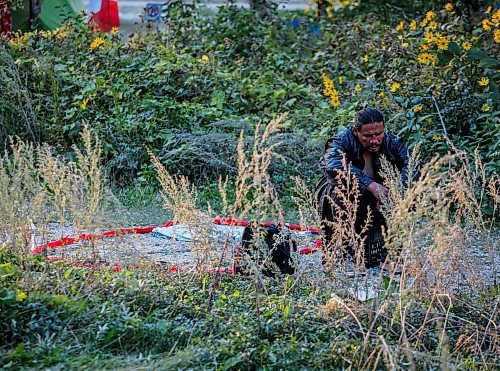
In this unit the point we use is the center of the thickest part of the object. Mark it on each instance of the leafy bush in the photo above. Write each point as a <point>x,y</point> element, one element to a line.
<point>206,77</point>
<point>156,90</point>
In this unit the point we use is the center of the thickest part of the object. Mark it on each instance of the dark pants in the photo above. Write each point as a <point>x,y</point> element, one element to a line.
<point>326,202</point>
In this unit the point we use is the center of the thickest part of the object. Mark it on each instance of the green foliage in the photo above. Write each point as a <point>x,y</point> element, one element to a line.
<point>169,318</point>
<point>163,91</point>
<point>186,92</point>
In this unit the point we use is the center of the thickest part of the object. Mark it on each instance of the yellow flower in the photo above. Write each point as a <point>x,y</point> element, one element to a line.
<point>496,17</point>
<point>20,295</point>
<point>474,39</point>
<point>484,81</point>
<point>413,25</point>
<point>424,47</point>
<point>448,7</point>
<point>436,137</point>
<point>45,34</point>
<point>466,45</point>
<point>330,90</point>
<point>381,94</point>
<point>395,86</point>
<point>61,33</point>
<point>204,59</point>
<point>329,11</point>
<point>358,88</point>
<point>334,98</point>
<point>328,85</point>
<point>114,30</point>
<point>426,58</point>
<point>433,25</point>
<point>96,43</point>
<point>488,10</point>
<point>405,45</point>
<point>400,27</point>
<point>84,103</point>
<point>365,58</point>
<point>417,108</point>
<point>307,9</point>
<point>429,37</point>
<point>423,58</point>
<point>424,23</point>
<point>485,108</point>
<point>341,80</point>
<point>496,36</point>
<point>486,24</point>
<point>442,42</point>
<point>430,15</point>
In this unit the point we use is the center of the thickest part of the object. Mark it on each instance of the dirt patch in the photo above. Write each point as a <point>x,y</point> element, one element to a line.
<point>135,249</point>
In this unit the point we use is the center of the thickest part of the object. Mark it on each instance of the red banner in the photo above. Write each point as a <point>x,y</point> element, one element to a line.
<point>5,19</point>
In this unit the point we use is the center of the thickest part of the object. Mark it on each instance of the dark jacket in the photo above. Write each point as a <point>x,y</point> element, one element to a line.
<point>347,143</point>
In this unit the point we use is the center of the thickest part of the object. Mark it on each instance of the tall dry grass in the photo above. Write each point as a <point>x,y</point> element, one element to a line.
<point>345,200</point>
<point>437,229</point>
<point>437,232</point>
<point>254,199</point>
<point>44,196</point>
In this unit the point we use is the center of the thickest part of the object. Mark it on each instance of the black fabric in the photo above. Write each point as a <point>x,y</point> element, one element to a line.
<point>327,203</point>
<point>347,144</point>
<point>277,242</point>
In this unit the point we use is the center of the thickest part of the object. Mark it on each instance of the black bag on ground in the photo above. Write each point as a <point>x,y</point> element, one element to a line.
<point>270,250</point>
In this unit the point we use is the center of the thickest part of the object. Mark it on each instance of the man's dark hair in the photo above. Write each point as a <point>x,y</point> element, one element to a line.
<point>368,116</point>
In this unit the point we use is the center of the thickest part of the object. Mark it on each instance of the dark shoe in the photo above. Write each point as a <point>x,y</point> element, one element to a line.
<point>391,268</point>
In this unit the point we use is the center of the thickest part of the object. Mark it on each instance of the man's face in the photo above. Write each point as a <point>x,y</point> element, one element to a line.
<point>371,136</point>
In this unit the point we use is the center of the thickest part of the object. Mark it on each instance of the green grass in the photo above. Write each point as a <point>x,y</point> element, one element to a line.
<point>149,318</point>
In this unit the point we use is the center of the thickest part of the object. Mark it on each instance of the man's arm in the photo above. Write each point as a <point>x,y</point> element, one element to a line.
<point>377,190</point>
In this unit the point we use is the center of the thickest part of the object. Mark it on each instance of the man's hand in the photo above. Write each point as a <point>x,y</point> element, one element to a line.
<point>378,190</point>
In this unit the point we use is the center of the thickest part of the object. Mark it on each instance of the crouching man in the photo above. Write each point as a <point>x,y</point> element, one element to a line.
<point>359,148</point>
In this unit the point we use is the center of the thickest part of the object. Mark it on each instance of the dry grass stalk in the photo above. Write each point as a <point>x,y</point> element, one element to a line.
<point>348,194</point>
<point>22,198</point>
<point>255,196</point>
<point>42,187</point>
<point>432,224</point>
<point>180,197</point>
